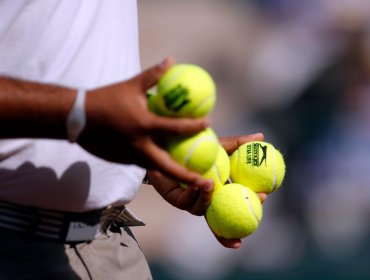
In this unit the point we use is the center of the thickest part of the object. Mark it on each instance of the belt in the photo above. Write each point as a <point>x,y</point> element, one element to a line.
<point>64,227</point>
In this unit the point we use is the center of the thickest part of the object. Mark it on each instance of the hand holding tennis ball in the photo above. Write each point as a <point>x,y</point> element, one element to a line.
<point>219,171</point>
<point>235,211</point>
<point>258,166</point>
<point>185,90</point>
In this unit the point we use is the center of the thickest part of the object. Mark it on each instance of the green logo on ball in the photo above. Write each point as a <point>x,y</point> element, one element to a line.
<point>176,98</point>
<point>255,155</point>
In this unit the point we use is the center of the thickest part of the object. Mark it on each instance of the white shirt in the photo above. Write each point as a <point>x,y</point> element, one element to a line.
<point>77,44</point>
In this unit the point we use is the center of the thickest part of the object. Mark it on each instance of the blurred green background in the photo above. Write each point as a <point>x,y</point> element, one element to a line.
<point>299,72</point>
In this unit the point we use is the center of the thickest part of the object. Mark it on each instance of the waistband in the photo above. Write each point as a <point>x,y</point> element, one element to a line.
<point>64,227</point>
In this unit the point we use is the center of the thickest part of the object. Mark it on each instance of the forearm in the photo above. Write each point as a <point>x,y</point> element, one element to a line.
<point>33,110</point>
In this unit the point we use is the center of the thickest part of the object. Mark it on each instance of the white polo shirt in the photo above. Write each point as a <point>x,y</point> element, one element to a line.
<point>77,44</point>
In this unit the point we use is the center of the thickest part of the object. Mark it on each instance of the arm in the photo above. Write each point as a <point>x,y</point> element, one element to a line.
<point>119,128</point>
<point>33,110</point>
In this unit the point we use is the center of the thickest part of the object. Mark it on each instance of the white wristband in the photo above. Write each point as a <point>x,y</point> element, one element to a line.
<point>76,119</point>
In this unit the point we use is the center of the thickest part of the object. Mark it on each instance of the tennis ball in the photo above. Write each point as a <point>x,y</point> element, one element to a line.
<point>151,97</point>
<point>234,212</point>
<point>186,90</point>
<point>257,165</point>
<point>220,170</point>
<point>197,152</point>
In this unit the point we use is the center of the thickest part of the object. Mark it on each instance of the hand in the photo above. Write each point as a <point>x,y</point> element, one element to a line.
<point>231,144</point>
<point>120,128</point>
<point>194,199</point>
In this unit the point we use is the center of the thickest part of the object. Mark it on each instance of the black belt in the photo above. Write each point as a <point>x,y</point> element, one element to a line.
<point>64,227</point>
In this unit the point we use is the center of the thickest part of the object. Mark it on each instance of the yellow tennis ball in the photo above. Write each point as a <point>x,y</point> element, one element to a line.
<point>220,170</point>
<point>197,152</point>
<point>235,211</point>
<point>257,165</point>
<point>186,90</point>
<point>151,98</point>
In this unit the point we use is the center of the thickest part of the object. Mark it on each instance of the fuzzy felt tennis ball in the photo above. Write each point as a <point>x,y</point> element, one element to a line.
<point>197,152</point>
<point>186,90</point>
<point>220,170</point>
<point>235,211</point>
<point>151,98</point>
<point>257,165</point>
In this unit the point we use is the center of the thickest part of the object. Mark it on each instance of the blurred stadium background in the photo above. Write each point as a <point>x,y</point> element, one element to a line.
<point>298,71</point>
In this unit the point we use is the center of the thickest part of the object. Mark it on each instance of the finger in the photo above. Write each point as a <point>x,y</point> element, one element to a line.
<point>150,77</point>
<point>174,127</point>
<point>160,159</point>
<point>229,243</point>
<point>186,199</point>
<point>154,174</point>
<point>203,199</point>
<point>233,142</point>
<point>262,197</point>
<point>155,178</point>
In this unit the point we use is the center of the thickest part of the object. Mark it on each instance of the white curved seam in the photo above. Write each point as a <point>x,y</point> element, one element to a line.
<point>249,204</point>
<point>194,146</point>
<point>172,78</point>
<point>201,104</point>
<point>274,183</point>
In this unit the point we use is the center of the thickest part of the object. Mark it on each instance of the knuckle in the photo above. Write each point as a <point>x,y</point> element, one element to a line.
<point>153,73</point>
<point>144,124</point>
<point>198,212</point>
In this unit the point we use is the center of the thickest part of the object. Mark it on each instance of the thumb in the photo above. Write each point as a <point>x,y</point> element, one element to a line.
<point>150,77</point>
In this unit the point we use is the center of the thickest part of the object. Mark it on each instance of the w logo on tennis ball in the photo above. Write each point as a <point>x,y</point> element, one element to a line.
<point>255,155</point>
<point>176,98</point>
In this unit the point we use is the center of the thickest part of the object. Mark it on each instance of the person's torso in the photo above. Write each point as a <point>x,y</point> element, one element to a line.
<point>77,44</point>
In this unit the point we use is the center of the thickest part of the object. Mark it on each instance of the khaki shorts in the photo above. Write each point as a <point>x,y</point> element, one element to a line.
<point>112,255</point>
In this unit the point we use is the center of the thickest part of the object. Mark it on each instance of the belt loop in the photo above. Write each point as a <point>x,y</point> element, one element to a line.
<point>64,228</point>
<point>35,220</point>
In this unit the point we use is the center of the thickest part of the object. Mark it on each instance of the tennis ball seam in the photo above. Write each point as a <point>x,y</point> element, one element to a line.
<point>267,178</point>
<point>169,81</point>
<point>274,184</point>
<point>218,173</point>
<point>204,102</point>
<point>249,204</point>
<point>194,146</point>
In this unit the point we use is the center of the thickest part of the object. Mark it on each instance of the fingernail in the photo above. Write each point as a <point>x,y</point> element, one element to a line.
<point>198,184</point>
<point>164,63</point>
<point>237,245</point>
<point>207,122</point>
<point>257,134</point>
<point>209,186</point>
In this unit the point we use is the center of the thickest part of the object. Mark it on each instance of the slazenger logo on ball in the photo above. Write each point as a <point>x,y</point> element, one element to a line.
<point>176,98</point>
<point>253,154</point>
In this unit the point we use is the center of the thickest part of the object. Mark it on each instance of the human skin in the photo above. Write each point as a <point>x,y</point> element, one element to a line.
<point>119,127</point>
<point>196,200</point>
